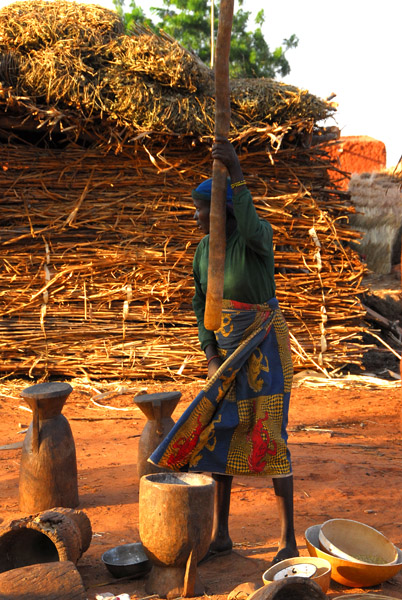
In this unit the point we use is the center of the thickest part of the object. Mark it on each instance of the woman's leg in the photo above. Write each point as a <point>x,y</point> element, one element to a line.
<point>221,541</point>
<point>283,487</point>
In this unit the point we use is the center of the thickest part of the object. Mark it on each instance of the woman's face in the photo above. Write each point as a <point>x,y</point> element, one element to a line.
<point>201,214</point>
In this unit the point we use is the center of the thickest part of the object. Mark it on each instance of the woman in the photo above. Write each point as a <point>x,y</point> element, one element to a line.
<point>237,424</point>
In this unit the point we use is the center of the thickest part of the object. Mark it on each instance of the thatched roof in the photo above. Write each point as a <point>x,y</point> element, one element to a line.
<point>70,66</point>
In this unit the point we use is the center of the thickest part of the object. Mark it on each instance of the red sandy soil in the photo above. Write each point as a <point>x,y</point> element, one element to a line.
<point>347,460</point>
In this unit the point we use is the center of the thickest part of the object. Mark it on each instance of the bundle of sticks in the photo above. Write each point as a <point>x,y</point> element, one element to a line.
<point>96,259</point>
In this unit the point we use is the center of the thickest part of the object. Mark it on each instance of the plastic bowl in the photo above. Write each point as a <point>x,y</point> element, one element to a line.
<point>127,560</point>
<point>347,572</point>
<point>322,576</point>
<point>357,542</point>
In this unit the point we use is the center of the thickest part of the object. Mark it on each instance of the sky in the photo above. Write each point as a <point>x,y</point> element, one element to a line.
<point>351,48</point>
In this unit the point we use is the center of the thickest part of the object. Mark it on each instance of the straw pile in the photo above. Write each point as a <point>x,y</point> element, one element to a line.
<point>96,217</point>
<point>75,59</point>
<point>377,198</point>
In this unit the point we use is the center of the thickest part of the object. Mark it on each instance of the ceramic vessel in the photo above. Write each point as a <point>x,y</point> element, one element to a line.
<point>349,573</point>
<point>321,574</point>
<point>356,541</point>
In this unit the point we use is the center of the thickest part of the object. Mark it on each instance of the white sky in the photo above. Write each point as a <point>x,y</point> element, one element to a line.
<point>348,47</point>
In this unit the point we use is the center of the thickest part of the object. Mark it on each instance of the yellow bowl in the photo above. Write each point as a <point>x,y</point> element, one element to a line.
<point>322,576</point>
<point>346,572</point>
<point>357,542</point>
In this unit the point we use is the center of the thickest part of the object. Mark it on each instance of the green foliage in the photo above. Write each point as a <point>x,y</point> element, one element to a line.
<point>136,15</point>
<point>189,22</point>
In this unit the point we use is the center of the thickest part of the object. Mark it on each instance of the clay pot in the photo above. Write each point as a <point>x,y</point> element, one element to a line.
<point>48,469</point>
<point>47,581</point>
<point>50,536</point>
<point>175,526</point>
<point>158,409</point>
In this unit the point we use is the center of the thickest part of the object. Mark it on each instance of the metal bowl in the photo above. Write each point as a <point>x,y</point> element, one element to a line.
<point>128,560</point>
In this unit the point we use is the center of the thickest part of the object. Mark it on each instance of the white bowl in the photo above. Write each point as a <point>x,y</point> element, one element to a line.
<point>357,542</point>
<point>321,575</point>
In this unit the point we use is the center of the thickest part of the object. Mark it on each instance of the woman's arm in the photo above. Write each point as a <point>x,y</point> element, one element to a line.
<point>207,338</point>
<point>204,335</point>
<point>214,361</point>
<point>256,232</point>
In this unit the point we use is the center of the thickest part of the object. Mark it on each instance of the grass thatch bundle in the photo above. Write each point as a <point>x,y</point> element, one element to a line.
<point>377,198</point>
<point>31,25</point>
<point>162,59</point>
<point>75,56</point>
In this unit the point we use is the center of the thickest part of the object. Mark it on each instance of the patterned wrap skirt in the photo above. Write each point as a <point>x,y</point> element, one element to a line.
<point>237,424</point>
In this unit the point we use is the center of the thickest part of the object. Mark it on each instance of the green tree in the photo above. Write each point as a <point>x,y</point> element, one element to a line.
<point>189,22</point>
<point>136,16</point>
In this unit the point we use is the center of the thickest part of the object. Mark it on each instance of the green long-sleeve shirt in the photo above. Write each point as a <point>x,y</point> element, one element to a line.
<point>249,263</point>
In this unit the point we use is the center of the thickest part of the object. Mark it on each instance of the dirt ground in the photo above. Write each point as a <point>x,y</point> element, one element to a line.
<point>347,459</point>
<point>346,447</point>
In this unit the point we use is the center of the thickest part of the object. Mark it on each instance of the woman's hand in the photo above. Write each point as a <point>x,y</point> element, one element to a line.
<point>224,151</point>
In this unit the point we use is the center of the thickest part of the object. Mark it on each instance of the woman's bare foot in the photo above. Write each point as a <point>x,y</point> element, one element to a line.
<point>290,551</point>
<point>219,547</point>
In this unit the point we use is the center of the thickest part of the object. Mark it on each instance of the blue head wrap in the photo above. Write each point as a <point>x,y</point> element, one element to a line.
<point>204,192</point>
